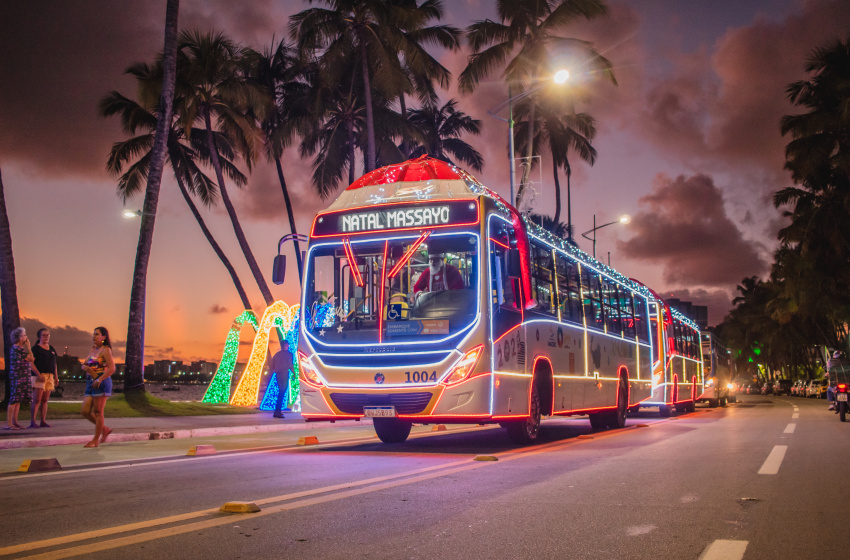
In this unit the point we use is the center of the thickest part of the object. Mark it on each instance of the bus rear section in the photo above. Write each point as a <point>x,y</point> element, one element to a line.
<point>678,371</point>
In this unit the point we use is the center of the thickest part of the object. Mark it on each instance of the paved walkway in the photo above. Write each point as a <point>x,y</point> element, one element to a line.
<point>80,431</point>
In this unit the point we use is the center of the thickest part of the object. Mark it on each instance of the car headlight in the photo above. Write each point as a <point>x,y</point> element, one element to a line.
<point>730,386</point>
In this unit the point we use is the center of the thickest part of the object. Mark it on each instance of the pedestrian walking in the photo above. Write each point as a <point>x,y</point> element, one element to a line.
<point>281,367</point>
<point>20,365</point>
<point>99,368</point>
<point>46,379</point>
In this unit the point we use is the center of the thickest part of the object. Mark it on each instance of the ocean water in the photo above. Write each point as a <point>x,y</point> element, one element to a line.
<point>73,391</point>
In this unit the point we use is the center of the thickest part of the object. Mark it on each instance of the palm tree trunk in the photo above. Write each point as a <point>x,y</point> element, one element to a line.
<point>224,260</point>
<point>370,120</point>
<point>231,211</point>
<point>557,217</point>
<point>291,218</point>
<point>404,148</point>
<point>569,199</point>
<point>351,154</point>
<point>8,287</point>
<point>134,380</point>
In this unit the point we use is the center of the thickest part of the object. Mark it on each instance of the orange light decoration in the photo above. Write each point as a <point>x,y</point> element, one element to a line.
<point>248,390</point>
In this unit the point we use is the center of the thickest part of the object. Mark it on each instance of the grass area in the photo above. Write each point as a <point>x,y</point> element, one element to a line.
<point>139,406</point>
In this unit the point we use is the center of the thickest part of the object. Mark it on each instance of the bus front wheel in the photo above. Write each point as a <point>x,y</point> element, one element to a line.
<point>526,431</point>
<point>392,430</point>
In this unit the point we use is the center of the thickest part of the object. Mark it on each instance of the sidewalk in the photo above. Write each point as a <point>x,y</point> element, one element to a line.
<point>80,431</point>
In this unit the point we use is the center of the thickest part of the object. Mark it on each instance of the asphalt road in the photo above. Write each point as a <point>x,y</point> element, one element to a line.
<point>764,478</point>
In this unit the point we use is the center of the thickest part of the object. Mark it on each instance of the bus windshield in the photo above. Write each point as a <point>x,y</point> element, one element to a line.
<point>413,288</point>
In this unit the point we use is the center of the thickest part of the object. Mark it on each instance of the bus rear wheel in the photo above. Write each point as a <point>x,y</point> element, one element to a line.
<point>526,431</point>
<point>392,430</point>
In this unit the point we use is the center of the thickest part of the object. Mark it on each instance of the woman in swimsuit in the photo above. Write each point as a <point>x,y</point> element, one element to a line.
<point>99,368</point>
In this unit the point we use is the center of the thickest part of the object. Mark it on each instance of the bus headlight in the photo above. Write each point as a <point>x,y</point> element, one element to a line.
<point>464,366</point>
<point>308,371</point>
<point>709,382</point>
<point>730,386</point>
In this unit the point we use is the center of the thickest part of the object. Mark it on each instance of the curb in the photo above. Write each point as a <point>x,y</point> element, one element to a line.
<point>175,434</point>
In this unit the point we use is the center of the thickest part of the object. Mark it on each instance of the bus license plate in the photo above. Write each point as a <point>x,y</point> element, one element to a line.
<point>842,397</point>
<point>379,411</point>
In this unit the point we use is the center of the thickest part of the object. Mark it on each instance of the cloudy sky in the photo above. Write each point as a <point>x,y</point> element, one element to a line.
<point>688,146</point>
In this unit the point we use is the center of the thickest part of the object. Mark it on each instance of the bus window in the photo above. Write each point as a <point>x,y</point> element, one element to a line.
<point>569,288</point>
<point>592,298</point>
<point>542,278</point>
<point>641,326</point>
<point>627,314</point>
<point>612,312</point>
<point>504,290</point>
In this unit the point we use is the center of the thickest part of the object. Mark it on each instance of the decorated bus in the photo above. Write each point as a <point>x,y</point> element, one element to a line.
<point>427,298</point>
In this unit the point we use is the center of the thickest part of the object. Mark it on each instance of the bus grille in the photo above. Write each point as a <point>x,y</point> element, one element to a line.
<point>404,403</point>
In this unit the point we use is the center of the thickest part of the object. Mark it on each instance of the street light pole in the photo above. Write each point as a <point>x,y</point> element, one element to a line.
<point>560,77</point>
<point>511,140</point>
<point>624,219</point>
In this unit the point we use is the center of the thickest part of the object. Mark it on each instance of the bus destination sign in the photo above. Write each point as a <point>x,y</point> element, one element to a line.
<point>406,216</point>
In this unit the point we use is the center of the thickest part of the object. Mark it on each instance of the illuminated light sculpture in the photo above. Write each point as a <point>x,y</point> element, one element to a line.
<point>219,390</point>
<point>248,389</point>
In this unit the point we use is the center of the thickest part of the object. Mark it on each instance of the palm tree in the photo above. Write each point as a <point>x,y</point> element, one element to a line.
<point>279,71</point>
<point>562,131</point>
<point>8,287</point>
<point>134,374</point>
<point>183,159</point>
<point>379,34</point>
<point>441,128</point>
<point>529,30</point>
<point>216,86</point>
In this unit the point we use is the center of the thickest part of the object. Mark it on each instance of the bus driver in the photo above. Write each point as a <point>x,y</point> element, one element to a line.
<point>439,276</point>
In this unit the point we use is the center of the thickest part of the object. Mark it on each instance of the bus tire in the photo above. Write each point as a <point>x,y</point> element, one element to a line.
<point>723,401</point>
<point>712,403</point>
<point>598,421</point>
<point>664,411</point>
<point>392,430</point>
<point>527,430</point>
<point>617,419</point>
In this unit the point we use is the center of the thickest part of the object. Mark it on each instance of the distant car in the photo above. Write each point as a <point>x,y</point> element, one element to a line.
<point>767,388</point>
<point>799,388</point>
<point>754,389</point>
<point>816,389</point>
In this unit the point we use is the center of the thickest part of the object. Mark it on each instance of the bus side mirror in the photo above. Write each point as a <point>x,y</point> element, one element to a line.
<point>514,270</point>
<point>279,269</point>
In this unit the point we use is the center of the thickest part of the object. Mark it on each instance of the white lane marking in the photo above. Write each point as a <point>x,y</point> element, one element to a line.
<point>795,416</point>
<point>725,550</point>
<point>789,429</point>
<point>774,460</point>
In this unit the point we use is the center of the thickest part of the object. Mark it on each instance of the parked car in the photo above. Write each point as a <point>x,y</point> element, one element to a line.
<point>799,388</point>
<point>782,387</point>
<point>767,388</point>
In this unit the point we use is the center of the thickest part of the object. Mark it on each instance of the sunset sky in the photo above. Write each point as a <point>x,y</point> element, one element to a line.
<point>688,144</point>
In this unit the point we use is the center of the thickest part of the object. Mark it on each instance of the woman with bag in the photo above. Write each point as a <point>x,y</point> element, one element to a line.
<point>44,383</point>
<point>99,368</point>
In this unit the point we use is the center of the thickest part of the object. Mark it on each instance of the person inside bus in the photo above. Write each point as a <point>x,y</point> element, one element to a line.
<point>439,276</point>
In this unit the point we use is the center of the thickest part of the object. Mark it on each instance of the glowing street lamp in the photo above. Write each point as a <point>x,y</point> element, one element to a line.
<point>624,219</point>
<point>560,77</point>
